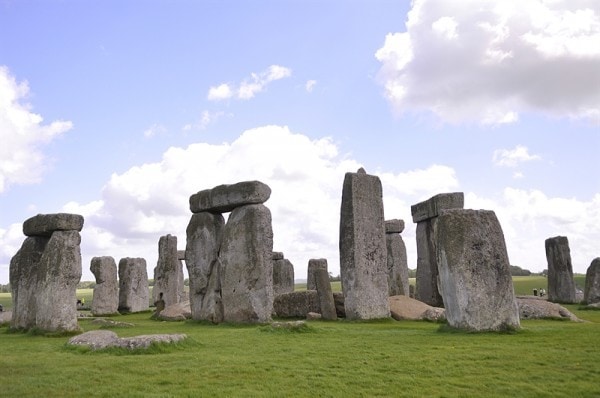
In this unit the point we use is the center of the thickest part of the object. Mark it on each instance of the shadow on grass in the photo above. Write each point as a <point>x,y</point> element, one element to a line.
<point>445,328</point>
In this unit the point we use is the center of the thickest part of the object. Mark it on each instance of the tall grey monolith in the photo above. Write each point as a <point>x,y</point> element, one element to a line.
<point>591,293</point>
<point>363,253</point>
<point>247,266</point>
<point>397,262</point>
<point>133,285</point>
<point>283,274</point>
<point>561,285</point>
<point>313,265</point>
<point>44,273</point>
<point>168,273</point>
<point>204,234</point>
<point>425,214</point>
<point>105,300</point>
<point>474,271</point>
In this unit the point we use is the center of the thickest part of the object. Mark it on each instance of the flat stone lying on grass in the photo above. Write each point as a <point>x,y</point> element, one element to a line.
<point>406,308</point>
<point>110,323</point>
<point>531,308</point>
<point>176,312</point>
<point>100,339</point>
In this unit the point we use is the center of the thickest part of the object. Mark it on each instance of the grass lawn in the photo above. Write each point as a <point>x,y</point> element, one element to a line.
<point>343,358</point>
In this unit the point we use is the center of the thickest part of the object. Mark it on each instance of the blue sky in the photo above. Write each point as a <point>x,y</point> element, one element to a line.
<point>120,110</point>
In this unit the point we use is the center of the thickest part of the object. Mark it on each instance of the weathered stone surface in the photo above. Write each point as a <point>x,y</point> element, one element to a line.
<point>24,275</point>
<point>181,255</point>
<point>100,339</point>
<point>340,308</point>
<point>474,271</point>
<point>176,312</point>
<point>561,286</point>
<point>109,323</point>
<point>277,255</point>
<point>247,266</point>
<point>283,276</point>
<point>313,316</point>
<point>394,226</point>
<point>106,292</point>
<point>59,274</point>
<point>45,224</point>
<point>397,265</point>
<point>325,294</point>
<point>432,207</point>
<point>591,293</point>
<point>426,287</point>
<point>313,265</point>
<point>296,304</point>
<point>405,308</point>
<point>363,253</point>
<point>225,198</point>
<point>168,273</point>
<point>133,285</point>
<point>204,236</point>
<point>535,308</point>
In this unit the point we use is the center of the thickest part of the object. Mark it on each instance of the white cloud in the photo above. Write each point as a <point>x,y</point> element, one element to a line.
<point>513,157</point>
<point>310,85</point>
<point>22,134</point>
<point>206,118</point>
<point>489,61</point>
<point>220,92</point>
<point>251,86</point>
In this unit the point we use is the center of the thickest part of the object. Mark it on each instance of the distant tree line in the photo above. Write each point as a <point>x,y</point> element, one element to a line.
<point>5,288</point>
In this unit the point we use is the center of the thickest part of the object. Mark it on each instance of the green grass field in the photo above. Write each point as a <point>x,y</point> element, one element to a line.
<point>343,358</point>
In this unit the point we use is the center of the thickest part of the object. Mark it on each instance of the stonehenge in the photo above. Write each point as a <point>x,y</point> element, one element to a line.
<point>44,274</point>
<point>134,294</point>
<point>561,286</point>
<point>474,271</point>
<point>231,264</point>
<point>397,263</point>
<point>363,253</point>
<point>105,300</point>
<point>283,274</point>
<point>168,274</point>
<point>591,294</point>
<point>425,215</point>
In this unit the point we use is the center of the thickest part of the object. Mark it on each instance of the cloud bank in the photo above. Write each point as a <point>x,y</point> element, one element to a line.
<point>486,62</point>
<point>249,87</point>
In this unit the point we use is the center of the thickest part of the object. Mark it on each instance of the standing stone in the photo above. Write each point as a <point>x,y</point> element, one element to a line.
<point>45,272</point>
<point>397,262</point>
<point>283,274</point>
<point>247,266</point>
<point>425,215</point>
<point>60,272</point>
<point>106,292</point>
<point>591,294</point>
<point>24,275</point>
<point>204,236</point>
<point>474,271</point>
<point>133,285</point>
<point>168,274</point>
<point>561,286</point>
<point>363,253</point>
<point>314,264</point>
<point>325,295</point>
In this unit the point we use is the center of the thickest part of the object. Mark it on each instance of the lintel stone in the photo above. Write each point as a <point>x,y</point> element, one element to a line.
<point>394,226</point>
<point>45,224</point>
<point>225,198</point>
<point>432,207</point>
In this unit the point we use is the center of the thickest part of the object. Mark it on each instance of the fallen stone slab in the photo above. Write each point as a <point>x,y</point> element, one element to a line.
<point>45,224</point>
<point>225,198</point>
<point>404,308</point>
<point>531,308</point>
<point>100,339</point>
<point>110,323</point>
<point>176,312</point>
